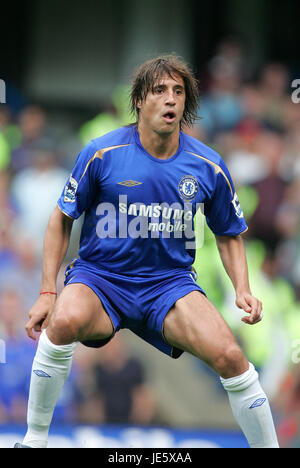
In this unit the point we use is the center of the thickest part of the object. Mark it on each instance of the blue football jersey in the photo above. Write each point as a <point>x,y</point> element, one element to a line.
<point>139,210</point>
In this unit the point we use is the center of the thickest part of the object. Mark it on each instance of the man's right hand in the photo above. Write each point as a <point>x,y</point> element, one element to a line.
<point>39,314</point>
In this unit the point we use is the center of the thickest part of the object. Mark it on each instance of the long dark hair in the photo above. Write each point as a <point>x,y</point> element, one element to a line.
<point>151,72</point>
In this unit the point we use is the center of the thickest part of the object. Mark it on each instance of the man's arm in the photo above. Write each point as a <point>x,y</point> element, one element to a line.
<point>233,255</point>
<point>56,242</point>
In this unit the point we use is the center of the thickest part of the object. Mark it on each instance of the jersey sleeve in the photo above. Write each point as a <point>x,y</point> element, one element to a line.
<point>223,211</point>
<point>80,188</point>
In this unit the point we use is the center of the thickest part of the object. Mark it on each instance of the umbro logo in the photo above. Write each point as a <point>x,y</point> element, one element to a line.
<point>130,183</point>
<point>41,373</point>
<point>258,402</point>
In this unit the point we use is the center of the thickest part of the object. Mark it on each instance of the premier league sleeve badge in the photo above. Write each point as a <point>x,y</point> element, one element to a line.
<point>70,191</point>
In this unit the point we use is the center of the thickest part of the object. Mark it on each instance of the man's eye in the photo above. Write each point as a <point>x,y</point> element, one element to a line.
<point>158,90</point>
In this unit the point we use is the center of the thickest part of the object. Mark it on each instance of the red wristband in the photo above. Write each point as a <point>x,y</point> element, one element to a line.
<point>48,292</point>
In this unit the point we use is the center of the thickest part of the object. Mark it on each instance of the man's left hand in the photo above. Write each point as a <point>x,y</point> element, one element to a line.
<point>251,306</point>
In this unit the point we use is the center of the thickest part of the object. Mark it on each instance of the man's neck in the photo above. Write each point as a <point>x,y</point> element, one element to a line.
<point>161,146</point>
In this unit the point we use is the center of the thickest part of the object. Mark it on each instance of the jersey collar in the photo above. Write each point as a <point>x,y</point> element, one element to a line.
<point>153,158</point>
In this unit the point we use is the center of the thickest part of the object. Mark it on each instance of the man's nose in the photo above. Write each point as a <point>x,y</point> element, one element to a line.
<point>170,99</point>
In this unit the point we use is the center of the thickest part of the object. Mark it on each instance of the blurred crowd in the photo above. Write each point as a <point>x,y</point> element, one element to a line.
<point>249,118</point>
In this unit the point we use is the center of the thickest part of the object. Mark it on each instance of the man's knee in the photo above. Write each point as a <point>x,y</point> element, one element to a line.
<point>230,361</point>
<point>64,325</point>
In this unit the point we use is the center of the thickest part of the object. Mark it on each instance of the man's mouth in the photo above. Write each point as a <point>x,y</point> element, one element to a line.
<point>169,116</point>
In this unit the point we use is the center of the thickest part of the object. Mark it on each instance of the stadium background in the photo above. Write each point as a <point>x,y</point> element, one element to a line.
<point>67,66</point>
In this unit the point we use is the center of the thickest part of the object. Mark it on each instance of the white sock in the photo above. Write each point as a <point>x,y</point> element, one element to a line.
<point>50,370</point>
<point>251,409</point>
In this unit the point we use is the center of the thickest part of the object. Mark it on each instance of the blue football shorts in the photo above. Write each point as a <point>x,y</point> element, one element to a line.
<point>139,304</point>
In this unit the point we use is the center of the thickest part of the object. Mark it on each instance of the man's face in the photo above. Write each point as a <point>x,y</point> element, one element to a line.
<point>162,110</point>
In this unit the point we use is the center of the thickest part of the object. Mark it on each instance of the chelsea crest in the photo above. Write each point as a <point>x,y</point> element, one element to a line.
<point>188,187</point>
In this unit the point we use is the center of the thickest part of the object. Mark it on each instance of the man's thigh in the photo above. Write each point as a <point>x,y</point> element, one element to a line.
<point>78,315</point>
<point>196,326</point>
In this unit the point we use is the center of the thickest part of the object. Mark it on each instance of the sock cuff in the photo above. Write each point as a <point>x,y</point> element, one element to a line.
<point>47,349</point>
<point>240,382</point>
